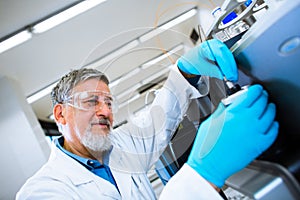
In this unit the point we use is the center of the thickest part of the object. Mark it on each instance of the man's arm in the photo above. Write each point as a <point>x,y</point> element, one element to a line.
<point>188,184</point>
<point>143,143</point>
<point>144,140</point>
<point>231,138</point>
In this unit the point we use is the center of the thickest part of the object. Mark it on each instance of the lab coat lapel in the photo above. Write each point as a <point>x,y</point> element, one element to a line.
<point>80,176</point>
<point>123,180</point>
<point>122,177</point>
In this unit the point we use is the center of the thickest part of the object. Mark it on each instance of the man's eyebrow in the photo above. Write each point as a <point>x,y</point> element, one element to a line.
<point>92,96</point>
<point>109,97</point>
<point>106,96</point>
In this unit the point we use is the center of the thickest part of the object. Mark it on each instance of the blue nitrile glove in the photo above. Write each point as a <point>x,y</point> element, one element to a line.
<point>234,136</point>
<point>201,60</point>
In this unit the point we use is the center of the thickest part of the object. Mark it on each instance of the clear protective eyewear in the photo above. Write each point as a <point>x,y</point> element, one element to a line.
<point>92,101</point>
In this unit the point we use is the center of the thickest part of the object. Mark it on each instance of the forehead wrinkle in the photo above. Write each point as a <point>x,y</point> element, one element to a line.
<point>91,85</point>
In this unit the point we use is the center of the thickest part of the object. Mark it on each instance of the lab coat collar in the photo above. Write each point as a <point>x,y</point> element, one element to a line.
<point>58,157</point>
<point>76,173</point>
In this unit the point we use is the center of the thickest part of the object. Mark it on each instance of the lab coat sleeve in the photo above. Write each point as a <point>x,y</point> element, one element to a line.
<point>189,185</point>
<point>139,143</point>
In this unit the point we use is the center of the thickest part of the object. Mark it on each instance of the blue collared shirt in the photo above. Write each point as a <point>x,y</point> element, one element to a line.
<point>94,166</point>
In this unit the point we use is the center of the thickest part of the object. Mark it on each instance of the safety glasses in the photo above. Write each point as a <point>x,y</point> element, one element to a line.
<point>92,101</point>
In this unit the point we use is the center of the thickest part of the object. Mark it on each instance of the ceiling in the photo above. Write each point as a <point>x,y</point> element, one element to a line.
<point>95,39</point>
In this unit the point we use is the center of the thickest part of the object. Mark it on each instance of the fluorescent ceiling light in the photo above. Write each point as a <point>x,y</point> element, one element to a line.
<point>51,117</point>
<point>168,25</point>
<point>132,99</point>
<point>162,57</point>
<point>15,40</point>
<point>128,92</point>
<point>156,75</point>
<point>146,65</point>
<point>115,54</point>
<point>41,93</point>
<point>65,15</point>
<point>129,75</point>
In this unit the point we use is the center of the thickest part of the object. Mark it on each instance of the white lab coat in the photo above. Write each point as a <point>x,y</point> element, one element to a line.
<point>136,148</point>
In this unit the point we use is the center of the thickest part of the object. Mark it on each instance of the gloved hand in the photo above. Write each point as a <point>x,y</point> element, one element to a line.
<point>201,60</point>
<point>234,136</point>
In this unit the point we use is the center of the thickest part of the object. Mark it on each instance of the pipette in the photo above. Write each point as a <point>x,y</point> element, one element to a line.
<point>231,88</point>
<point>233,91</point>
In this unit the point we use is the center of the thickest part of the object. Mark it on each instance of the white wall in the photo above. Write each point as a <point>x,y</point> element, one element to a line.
<point>23,147</point>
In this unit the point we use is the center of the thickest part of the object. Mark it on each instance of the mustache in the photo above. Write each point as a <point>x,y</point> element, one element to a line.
<point>102,121</point>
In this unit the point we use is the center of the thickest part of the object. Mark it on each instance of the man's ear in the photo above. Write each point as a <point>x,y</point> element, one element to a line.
<point>58,111</point>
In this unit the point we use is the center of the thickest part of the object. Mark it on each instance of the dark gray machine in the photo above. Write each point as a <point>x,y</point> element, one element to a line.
<point>269,53</point>
<point>264,36</point>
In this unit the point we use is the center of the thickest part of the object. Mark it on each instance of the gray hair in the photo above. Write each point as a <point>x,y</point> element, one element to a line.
<point>64,87</point>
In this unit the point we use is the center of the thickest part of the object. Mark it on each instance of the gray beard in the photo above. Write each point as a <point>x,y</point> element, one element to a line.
<point>95,142</point>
